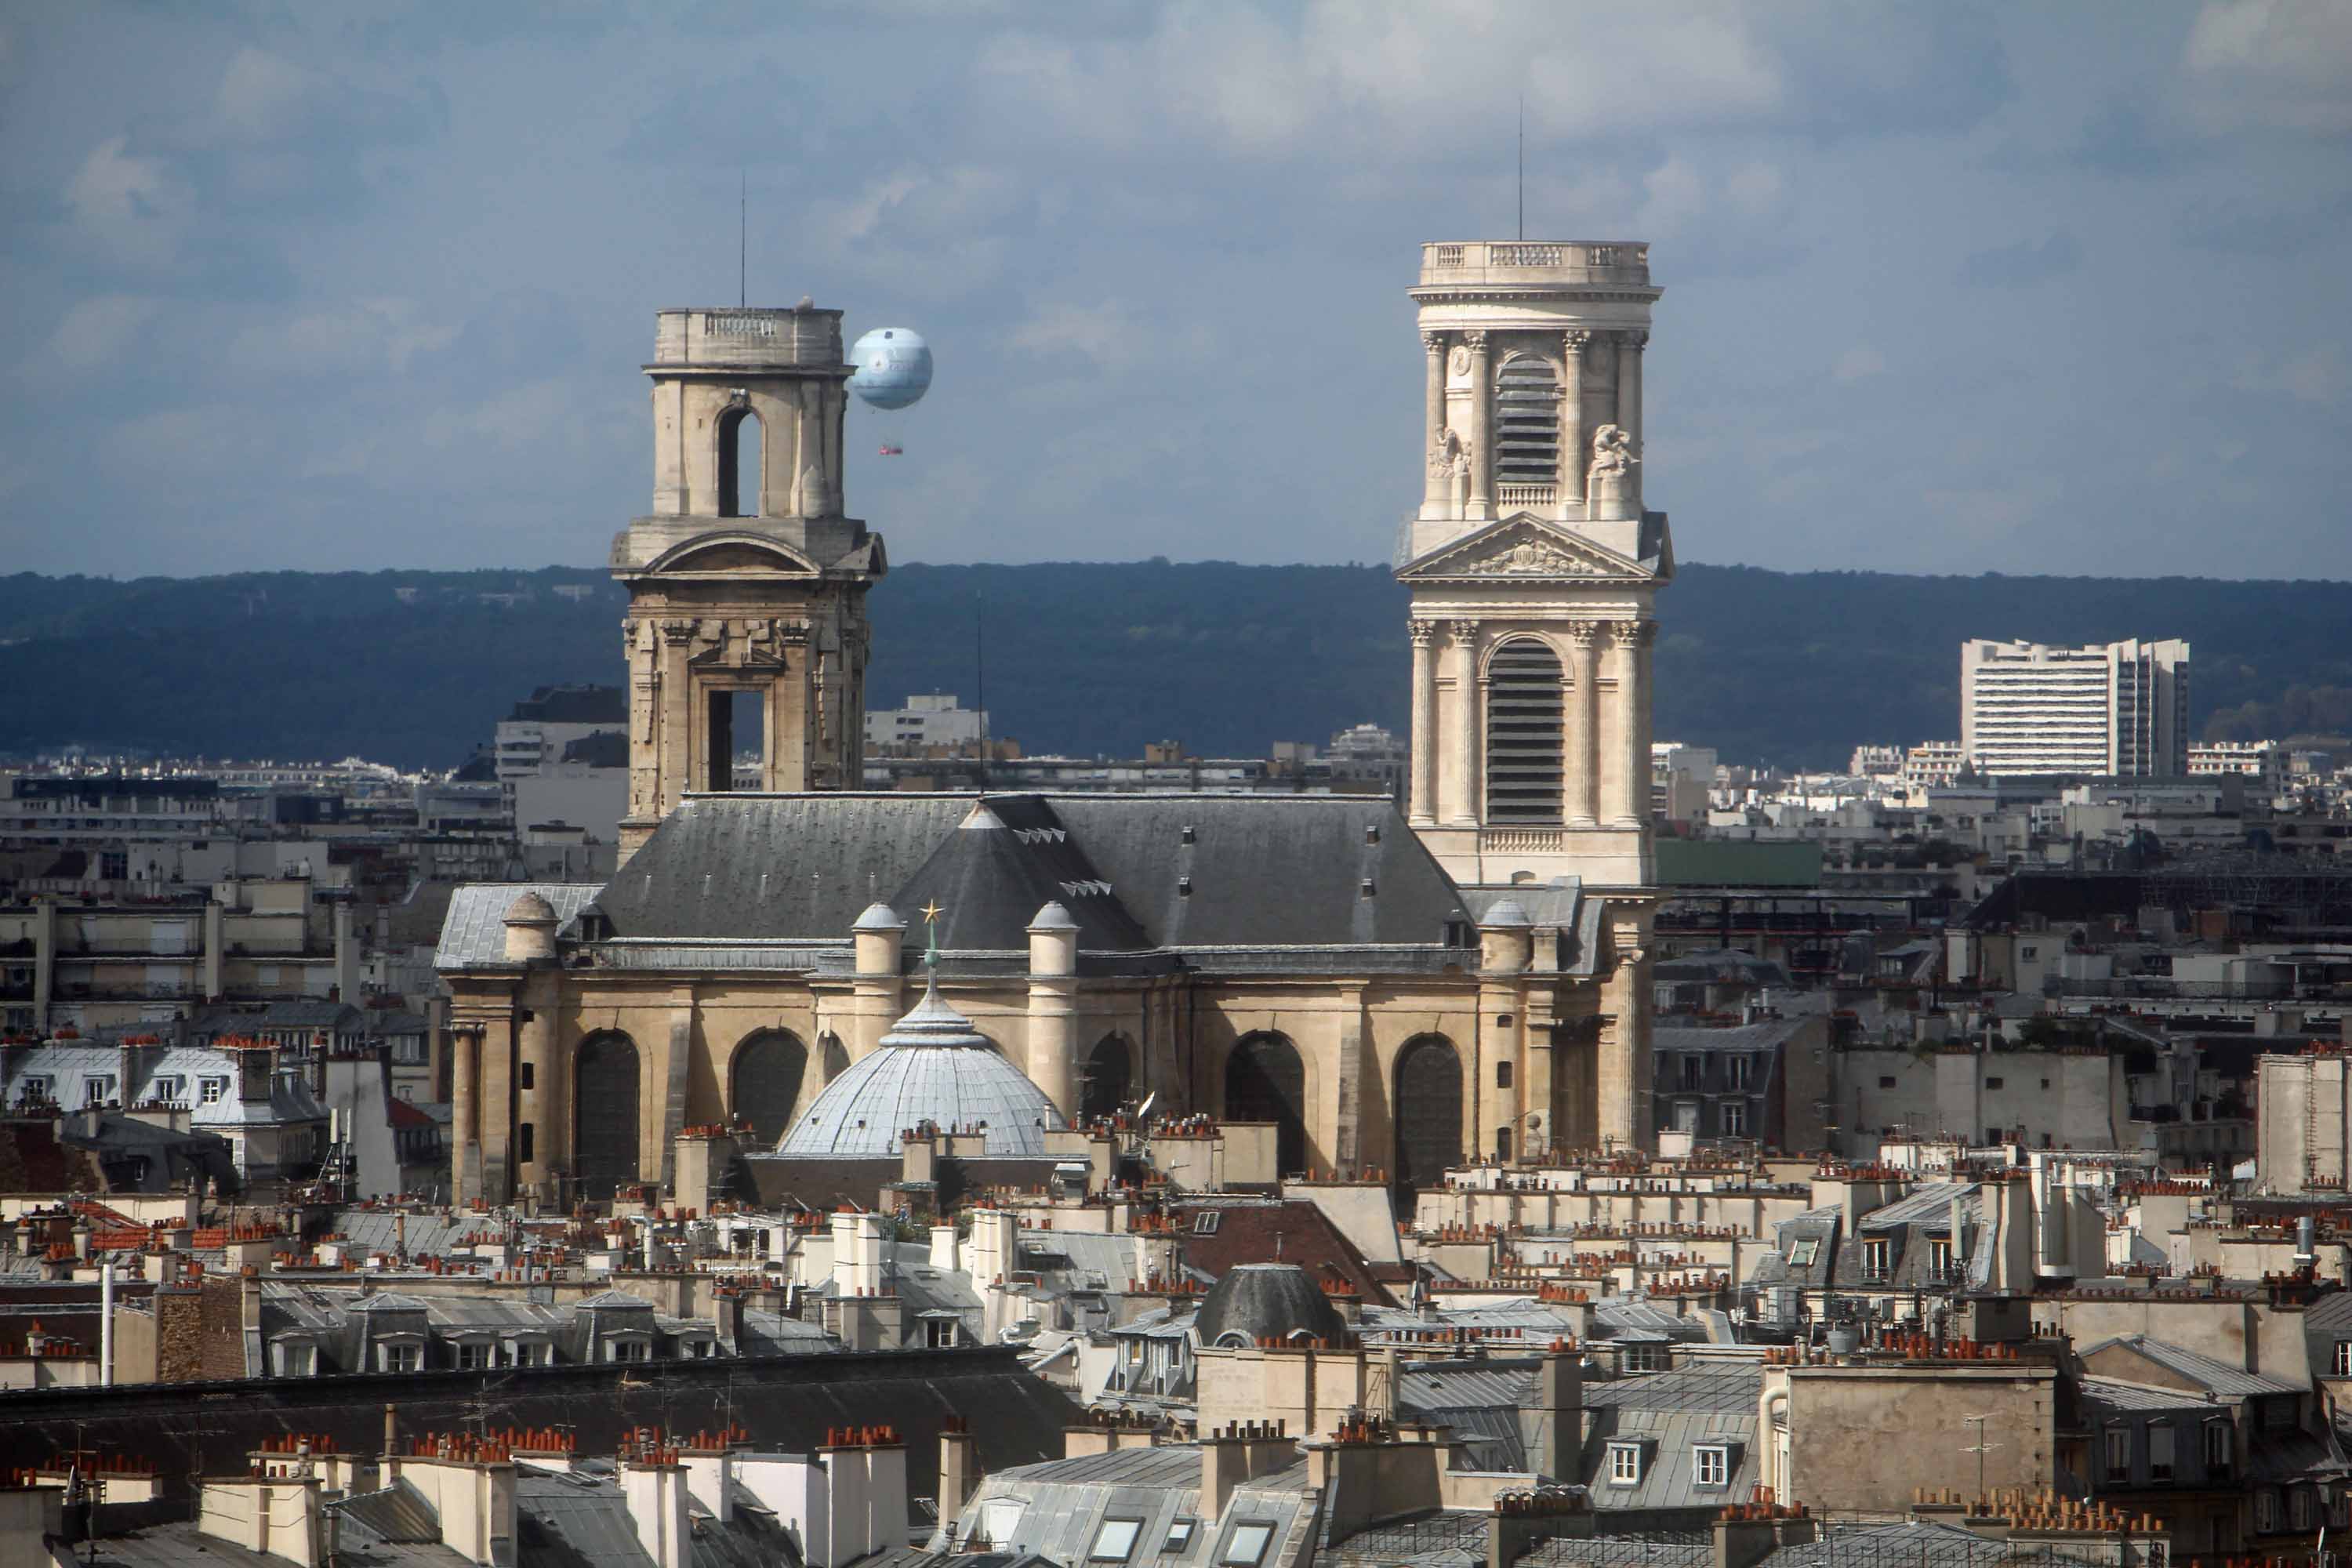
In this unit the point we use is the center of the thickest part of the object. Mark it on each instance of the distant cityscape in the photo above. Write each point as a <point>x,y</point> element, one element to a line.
<point>730,1121</point>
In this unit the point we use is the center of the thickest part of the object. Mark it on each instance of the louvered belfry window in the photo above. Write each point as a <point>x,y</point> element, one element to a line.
<point>1526,423</point>
<point>1523,733</point>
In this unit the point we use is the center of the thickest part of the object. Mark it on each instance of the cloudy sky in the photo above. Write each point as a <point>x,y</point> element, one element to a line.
<point>1948,287</point>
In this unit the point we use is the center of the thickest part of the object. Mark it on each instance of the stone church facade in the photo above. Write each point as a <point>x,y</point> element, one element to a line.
<point>1396,990</point>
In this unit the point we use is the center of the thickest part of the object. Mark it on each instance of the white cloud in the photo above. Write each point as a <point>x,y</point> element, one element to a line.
<point>928,232</point>
<point>96,331</point>
<point>537,416</point>
<point>1859,363</point>
<point>2314,374</point>
<point>354,334</point>
<point>1105,333</point>
<point>260,93</point>
<point>2284,65</point>
<point>128,206</point>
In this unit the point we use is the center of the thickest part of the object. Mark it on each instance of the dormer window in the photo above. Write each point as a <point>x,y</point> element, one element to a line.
<point>1625,1464</point>
<point>1711,1465</point>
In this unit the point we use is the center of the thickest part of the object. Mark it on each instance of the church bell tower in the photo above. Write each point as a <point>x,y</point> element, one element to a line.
<point>1533,565</point>
<point>747,584</point>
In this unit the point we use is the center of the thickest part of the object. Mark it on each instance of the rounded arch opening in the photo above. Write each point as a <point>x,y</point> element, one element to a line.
<point>1108,1080</point>
<point>763,1086</point>
<point>1428,1119</point>
<point>1525,732</point>
<point>604,1113</point>
<point>1266,1081</point>
<point>740,467</point>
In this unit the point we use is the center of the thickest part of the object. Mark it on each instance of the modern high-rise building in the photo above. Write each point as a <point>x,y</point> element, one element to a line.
<point>2117,710</point>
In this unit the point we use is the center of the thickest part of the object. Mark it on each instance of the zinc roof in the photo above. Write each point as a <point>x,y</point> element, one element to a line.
<point>2199,1368</point>
<point>474,931</point>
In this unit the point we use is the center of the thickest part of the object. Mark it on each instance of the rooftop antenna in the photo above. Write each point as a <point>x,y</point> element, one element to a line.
<point>742,238</point>
<point>1981,1448</point>
<point>1523,163</point>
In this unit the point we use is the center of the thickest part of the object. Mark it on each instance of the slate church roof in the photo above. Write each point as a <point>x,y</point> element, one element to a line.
<point>1142,875</point>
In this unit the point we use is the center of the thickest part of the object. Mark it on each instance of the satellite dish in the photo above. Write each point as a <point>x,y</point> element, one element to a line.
<point>893,367</point>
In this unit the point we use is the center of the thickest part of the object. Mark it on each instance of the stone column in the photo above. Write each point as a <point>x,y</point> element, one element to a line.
<point>465,1182</point>
<point>1574,454</point>
<point>1482,431</point>
<point>1624,1072</point>
<point>1421,802</point>
<point>1629,406</point>
<point>1437,486</point>
<point>676,762</point>
<point>1465,693</point>
<point>1583,727</point>
<point>1629,725</point>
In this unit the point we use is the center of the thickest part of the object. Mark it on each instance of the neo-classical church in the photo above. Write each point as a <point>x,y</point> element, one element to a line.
<point>1395,989</point>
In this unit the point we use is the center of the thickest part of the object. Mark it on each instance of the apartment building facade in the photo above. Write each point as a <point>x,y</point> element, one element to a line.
<point>2117,710</point>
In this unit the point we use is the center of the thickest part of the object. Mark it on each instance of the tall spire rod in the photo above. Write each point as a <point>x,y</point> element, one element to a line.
<point>1523,163</point>
<point>742,238</point>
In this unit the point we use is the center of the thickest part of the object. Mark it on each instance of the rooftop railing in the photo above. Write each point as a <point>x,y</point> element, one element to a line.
<point>1535,261</point>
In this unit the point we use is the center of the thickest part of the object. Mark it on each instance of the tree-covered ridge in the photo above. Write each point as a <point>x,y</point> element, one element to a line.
<point>416,667</point>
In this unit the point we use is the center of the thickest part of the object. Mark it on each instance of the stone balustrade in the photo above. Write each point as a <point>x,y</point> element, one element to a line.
<point>1532,261</point>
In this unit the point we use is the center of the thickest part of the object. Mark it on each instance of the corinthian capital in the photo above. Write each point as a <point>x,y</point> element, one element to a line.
<point>1587,633</point>
<point>1574,342</point>
<point>1463,633</point>
<point>1433,341</point>
<point>1477,341</point>
<point>1637,342</point>
<point>1420,632</point>
<point>1633,633</point>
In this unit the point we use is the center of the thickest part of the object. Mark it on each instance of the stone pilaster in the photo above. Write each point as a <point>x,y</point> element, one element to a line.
<point>1574,444</point>
<point>1629,403</point>
<point>675,759</point>
<point>1625,1074</point>
<point>1583,725</point>
<point>495,1097</point>
<point>1347,1112</point>
<point>1422,804</point>
<point>1631,726</point>
<point>535,1096</point>
<point>1436,490</point>
<point>465,1108</point>
<point>1481,507</point>
<point>1466,710</point>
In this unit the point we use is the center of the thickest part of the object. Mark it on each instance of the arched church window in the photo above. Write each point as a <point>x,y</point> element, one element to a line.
<point>604,1126</point>
<point>1524,720</point>
<point>739,470</point>
<point>1428,1103</point>
<point>1527,427</point>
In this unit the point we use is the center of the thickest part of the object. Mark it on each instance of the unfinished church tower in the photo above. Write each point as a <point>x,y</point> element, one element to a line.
<point>1533,565</point>
<point>746,629</point>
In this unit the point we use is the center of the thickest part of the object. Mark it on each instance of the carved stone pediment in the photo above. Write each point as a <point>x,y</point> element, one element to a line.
<point>726,555</point>
<point>1525,548</point>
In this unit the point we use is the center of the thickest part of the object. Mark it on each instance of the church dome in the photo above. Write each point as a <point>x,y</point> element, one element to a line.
<point>932,1067</point>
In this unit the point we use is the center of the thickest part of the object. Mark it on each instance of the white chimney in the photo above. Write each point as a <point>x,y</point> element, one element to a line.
<point>656,1497</point>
